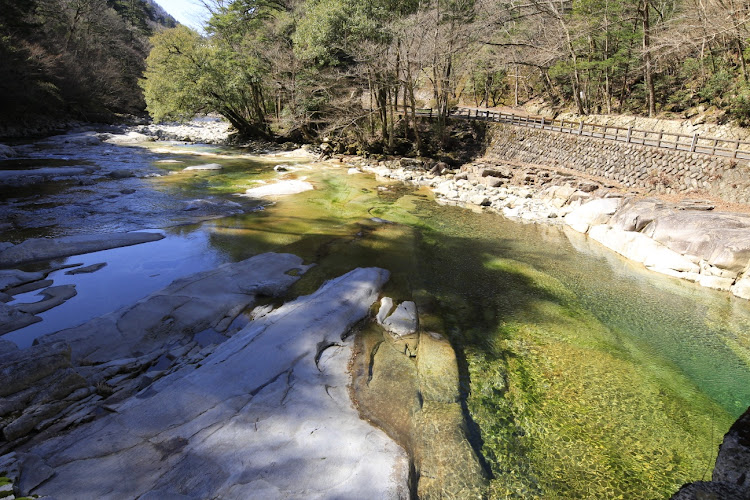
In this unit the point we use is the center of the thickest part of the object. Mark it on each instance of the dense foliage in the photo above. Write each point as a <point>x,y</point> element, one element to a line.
<point>361,68</point>
<point>79,58</point>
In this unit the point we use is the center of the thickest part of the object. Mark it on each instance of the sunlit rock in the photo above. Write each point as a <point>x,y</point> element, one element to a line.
<point>593,213</point>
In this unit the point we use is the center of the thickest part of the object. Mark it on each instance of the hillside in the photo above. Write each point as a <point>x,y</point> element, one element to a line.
<point>81,60</point>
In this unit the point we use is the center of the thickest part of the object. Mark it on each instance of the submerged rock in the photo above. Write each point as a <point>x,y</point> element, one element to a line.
<point>87,269</point>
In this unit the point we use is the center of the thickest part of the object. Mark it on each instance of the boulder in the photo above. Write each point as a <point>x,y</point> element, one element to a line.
<point>403,321</point>
<point>637,214</point>
<point>593,213</point>
<point>279,188</point>
<point>21,368</point>
<point>207,166</point>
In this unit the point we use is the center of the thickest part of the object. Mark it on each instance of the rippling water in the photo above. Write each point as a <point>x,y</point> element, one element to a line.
<point>586,376</point>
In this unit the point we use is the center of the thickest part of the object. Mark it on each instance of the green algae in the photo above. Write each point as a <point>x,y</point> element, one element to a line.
<point>565,412</point>
<point>583,376</point>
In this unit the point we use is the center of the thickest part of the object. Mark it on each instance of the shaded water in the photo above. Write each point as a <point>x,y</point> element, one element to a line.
<point>585,376</point>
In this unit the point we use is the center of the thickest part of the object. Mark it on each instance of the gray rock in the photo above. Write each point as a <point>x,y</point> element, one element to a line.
<point>386,307</point>
<point>403,321</point>
<point>33,472</point>
<point>206,166</point>
<point>29,287</point>
<point>52,248</point>
<point>53,297</point>
<point>13,277</point>
<point>187,306</point>
<point>267,415</point>
<point>721,239</point>
<point>12,318</point>
<point>733,462</point>
<point>729,480</point>
<point>7,151</point>
<point>87,269</point>
<point>21,368</point>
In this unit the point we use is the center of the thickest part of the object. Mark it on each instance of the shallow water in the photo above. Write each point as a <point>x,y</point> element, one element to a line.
<point>586,376</point>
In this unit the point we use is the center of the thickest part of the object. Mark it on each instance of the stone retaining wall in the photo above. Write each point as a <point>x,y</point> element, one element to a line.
<point>648,169</point>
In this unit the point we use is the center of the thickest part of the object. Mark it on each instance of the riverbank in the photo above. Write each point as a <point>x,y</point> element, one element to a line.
<point>684,238</point>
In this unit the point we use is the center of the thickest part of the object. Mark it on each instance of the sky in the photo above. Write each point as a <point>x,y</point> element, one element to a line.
<point>187,12</point>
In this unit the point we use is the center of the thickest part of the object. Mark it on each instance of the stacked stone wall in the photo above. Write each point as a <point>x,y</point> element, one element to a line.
<point>649,169</point>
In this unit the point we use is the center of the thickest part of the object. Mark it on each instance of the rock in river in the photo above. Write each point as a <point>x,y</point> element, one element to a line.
<point>51,248</point>
<point>267,415</point>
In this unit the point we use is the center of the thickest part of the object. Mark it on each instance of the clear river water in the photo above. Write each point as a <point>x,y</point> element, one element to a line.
<point>585,376</point>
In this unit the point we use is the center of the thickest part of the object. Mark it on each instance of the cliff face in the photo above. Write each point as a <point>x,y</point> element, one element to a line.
<point>731,476</point>
<point>73,60</point>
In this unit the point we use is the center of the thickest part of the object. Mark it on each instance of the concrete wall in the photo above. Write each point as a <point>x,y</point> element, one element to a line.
<point>646,168</point>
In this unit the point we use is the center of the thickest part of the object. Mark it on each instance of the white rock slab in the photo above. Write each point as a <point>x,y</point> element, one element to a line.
<point>266,416</point>
<point>403,321</point>
<point>592,213</point>
<point>640,248</point>
<point>207,166</point>
<point>292,186</point>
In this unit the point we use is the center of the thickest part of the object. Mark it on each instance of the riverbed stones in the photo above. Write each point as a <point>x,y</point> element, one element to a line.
<point>267,415</point>
<point>37,249</point>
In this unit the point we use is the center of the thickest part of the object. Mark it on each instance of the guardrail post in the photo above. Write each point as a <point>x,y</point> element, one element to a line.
<point>430,112</point>
<point>736,148</point>
<point>694,143</point>
<point>658,144</point>
<point>542,123</point>
<point>580,127</point>
<point>630,131</point>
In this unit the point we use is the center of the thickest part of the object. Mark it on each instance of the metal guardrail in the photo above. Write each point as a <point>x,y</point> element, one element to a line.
<point>728,148</point>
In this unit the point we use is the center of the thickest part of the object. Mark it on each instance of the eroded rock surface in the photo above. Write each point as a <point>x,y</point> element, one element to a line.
<point>266,415</point>
<point>64,379</point>
<point>51,248</point>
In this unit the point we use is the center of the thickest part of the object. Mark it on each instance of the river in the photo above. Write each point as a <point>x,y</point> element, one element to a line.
<point>585,376</point>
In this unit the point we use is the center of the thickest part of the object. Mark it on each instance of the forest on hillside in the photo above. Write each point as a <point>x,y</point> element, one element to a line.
<point>74,58</point>
<point>350,67</point>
